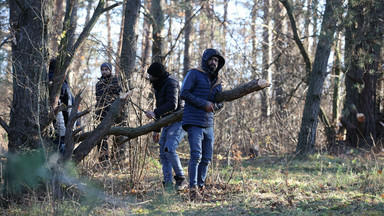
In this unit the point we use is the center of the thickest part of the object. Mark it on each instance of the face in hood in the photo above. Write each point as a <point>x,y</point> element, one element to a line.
<point>208,53</point>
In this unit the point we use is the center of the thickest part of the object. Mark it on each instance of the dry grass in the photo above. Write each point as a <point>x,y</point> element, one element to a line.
<point>350,184</point>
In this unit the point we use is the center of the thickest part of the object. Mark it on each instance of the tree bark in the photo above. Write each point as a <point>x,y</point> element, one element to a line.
<point>307,135</point>
<point>128,52</point>
<point>157,26</point>
<point>28,21</point>
<point>187,36</point>
<point>146,44</point>
<point>118,70</point>
<point>336,81</point>
<point>109,50</point>
<point>281,28</point>
<point>57,23</point>
<point>362,57</point>
<point>267,57</point>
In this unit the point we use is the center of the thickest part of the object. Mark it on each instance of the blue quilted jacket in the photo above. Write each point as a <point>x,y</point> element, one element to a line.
<point>199,86</point>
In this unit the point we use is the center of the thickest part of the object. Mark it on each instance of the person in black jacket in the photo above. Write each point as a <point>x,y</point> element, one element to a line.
<point>167,93</point>
<point>66,99</point>
<point>107,90</point>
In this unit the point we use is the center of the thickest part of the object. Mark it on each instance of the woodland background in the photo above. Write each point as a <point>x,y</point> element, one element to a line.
<point>324,60</point>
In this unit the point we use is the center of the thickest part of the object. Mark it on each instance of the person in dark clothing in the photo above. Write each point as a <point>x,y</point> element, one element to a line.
<point>61,120</point>
<point>167,101</point>
<point>199,88</point>
<point>107,90</point>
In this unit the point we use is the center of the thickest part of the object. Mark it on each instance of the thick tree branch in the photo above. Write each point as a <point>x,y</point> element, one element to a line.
<point>69,132</point>
<point>101,130</point>
<point>240,91</point>
<point>91,138</point>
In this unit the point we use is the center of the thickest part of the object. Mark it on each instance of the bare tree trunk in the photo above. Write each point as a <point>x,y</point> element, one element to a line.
<point>336,82</point>
<point>57,23</point>
<point>315,5</point>
<point>187,37</point>
<point>29,53</point>
<point>280,27</point>
<point>89,8</point>
<point>128,52</point>
<point>109,37</point>
<point>307,135</point>
<point>362,56</point>
<point>225,23</point>
<point>267,56</point>
<point>202,35</point>
<point>28,20</point>
<point>118,69</point>
<point>72,38</point>
<point>253,32</point>
<point>307,19</point>
<point>146,44</point>
<point>157,26</point>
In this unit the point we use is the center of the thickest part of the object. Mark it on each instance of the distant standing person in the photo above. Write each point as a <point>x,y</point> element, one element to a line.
<point>62,116</point>
<point>167,94</point>
<point>107,90</point>
<point>199,88</point>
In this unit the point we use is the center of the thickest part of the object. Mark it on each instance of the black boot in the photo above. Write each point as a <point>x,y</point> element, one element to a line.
<point>181,183</point>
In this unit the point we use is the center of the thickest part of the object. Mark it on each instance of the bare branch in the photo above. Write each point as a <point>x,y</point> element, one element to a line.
<point>4,125</point>
<point>5,41</point>
<point>288,6</point>
<point>112,6</point>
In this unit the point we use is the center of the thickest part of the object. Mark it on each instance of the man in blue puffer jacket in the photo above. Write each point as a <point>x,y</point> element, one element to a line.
<point>198,90</point>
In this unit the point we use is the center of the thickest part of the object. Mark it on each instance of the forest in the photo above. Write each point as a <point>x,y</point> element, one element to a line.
<point>301,131</point>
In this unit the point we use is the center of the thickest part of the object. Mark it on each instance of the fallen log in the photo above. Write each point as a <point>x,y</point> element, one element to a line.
<point>90,139</point>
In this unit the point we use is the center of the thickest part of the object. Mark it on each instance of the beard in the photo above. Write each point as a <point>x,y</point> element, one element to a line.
<point>212,67</point>
<point>106,75</point>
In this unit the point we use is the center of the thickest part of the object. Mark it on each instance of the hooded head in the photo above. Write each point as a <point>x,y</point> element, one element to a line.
<point>209,53</point>
<point>108,66</point>
<point>157,70</point>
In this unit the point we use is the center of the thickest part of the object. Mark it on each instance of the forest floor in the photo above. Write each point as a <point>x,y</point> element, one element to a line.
<point>349,184</point>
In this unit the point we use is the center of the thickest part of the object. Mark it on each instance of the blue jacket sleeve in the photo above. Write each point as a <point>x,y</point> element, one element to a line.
<point>187,88</point>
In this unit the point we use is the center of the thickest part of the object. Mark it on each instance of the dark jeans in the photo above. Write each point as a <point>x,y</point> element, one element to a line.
<point>170,139</point>
<point>201,148</point>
